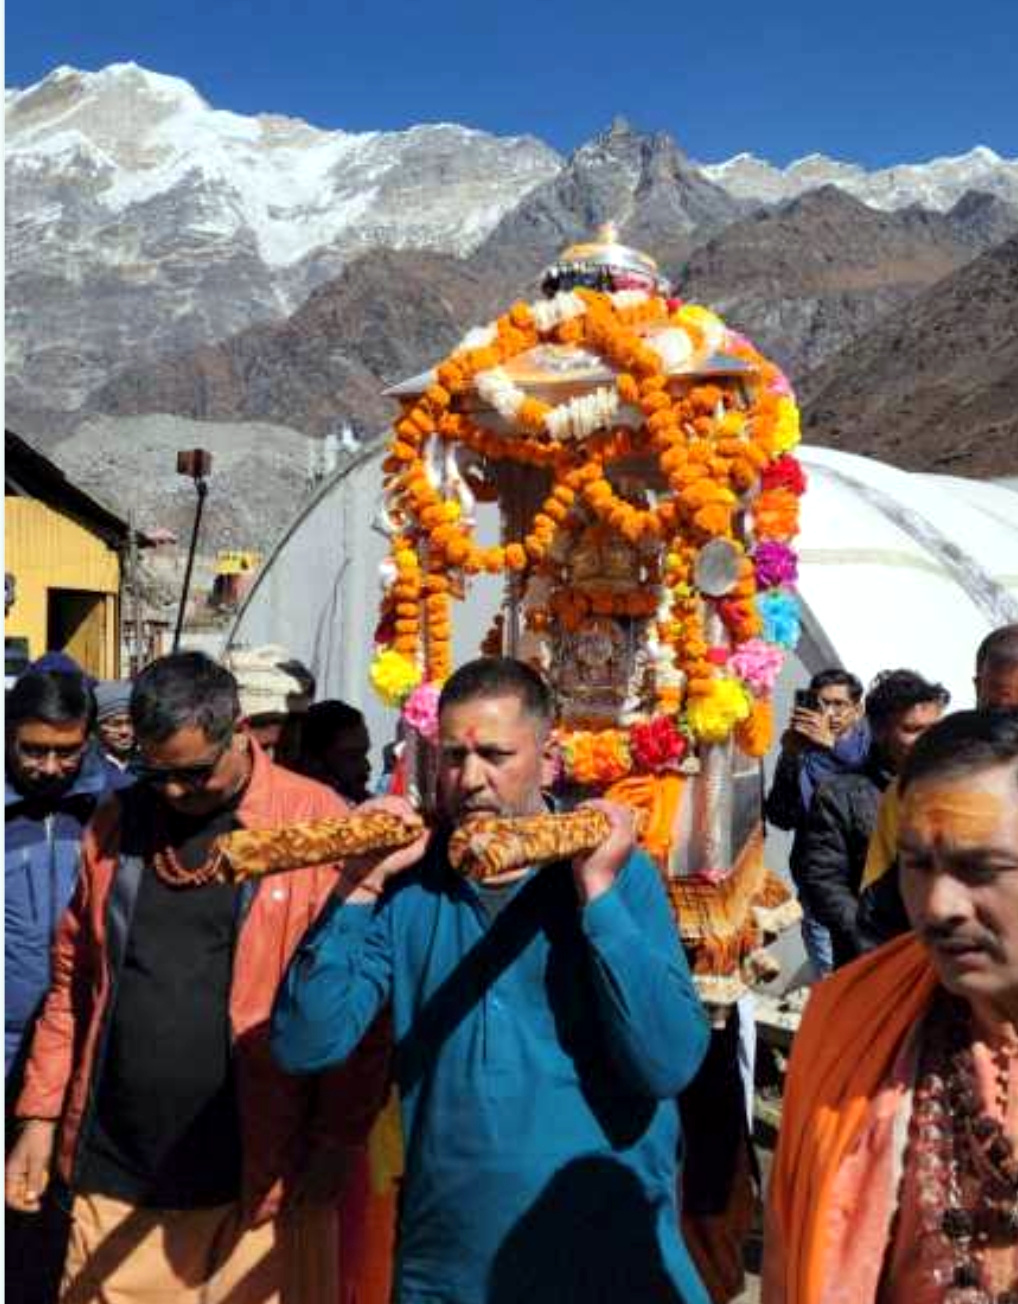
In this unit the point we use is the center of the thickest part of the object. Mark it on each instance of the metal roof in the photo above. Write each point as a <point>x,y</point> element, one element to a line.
<point>30,474</point>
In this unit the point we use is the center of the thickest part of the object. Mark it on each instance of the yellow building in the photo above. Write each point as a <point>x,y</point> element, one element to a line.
<point>63,555</point>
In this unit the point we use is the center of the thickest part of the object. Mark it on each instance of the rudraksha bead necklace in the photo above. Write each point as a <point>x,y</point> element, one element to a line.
<point>965,1164</point>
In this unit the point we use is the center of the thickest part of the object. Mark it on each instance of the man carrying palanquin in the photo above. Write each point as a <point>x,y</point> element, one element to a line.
<point>545,1021</point>
<point>896,1175</point>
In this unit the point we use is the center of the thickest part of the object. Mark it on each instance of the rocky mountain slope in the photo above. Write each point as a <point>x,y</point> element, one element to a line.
<point>385,317</point>
<point>935,385</point>
<point>141,221</point>
<point>642,183</point>
<point>259,475</point>
<point>167,257</point>
<point>801,282</point>
<point>805,279</point>
<point>391,313</point>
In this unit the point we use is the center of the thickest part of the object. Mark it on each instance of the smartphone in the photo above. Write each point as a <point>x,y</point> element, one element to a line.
<point>807,700</point>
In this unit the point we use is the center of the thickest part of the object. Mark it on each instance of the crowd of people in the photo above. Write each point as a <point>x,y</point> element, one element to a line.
<point>377,1080</point>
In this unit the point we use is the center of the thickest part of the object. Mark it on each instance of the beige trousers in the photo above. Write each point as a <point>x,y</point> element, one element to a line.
<point>120,1254</point>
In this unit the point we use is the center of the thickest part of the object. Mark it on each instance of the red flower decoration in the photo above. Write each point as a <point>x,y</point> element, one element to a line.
<point>656,744</point>
<point>717,656</point>
<point>785,473</point>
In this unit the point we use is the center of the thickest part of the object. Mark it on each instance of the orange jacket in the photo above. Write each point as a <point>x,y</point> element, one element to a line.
<point>283,1119</point>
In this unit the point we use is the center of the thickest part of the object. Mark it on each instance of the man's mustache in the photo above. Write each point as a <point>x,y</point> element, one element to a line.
<point>981,938</point>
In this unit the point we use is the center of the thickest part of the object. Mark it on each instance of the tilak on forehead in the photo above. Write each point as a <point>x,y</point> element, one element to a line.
<point>951,812</point>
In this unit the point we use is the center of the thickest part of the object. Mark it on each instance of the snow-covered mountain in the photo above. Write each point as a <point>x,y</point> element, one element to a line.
<point>142,220</point>
<point>142,223</point>
<point>131,136</point>
<point>937,185</point>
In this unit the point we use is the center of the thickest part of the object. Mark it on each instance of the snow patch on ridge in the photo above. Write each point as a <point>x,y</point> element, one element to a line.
<point>938,184</point>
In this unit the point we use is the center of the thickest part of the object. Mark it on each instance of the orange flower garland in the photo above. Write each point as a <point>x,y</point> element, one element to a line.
<point>711,442</point>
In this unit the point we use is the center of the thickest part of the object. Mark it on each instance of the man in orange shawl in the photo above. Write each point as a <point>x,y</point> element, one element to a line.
<point>896,1175</point>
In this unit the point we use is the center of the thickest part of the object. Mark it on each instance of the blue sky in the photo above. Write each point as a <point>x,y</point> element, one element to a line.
<point>877,83</point>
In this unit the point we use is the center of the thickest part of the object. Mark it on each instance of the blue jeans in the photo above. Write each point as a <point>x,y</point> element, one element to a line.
<point>817,941</point>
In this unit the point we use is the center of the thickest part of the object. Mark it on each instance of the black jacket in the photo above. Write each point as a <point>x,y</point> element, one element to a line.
<point>841,821</point>
<point>784,806</point>
<point>881,914</point>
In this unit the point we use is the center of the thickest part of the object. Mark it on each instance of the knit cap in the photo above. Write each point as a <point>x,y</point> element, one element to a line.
<point>112,697</point>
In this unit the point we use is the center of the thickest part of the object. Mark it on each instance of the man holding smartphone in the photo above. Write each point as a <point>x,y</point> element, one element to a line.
<point>826,736</point>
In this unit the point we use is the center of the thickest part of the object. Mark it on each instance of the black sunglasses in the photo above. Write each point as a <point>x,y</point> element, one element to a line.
<point>187,776</point>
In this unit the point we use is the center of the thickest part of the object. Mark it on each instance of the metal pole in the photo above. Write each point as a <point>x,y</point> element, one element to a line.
<point>203,489</point>
<point>132,564</point>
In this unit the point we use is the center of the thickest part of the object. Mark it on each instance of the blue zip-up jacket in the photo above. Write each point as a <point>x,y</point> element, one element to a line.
<point>539,1053</point>
<point>40,872</point>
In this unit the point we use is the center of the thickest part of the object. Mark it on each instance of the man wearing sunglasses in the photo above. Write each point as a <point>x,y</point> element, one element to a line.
<point>196,1166</point>
<point>53,780</point>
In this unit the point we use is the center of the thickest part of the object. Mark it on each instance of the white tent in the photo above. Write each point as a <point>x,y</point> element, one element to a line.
<point>896,569</point>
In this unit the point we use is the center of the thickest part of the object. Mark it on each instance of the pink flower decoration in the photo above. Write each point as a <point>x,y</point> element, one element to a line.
<point>758,665</point>
<point>775,563</point>
<point>779,385</point>
<point>420,711</point>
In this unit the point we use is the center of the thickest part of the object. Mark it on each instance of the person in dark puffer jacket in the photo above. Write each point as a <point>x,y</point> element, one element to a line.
<point>900,706</point>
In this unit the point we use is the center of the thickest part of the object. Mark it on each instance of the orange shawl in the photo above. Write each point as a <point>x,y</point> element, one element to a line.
<point>844,1058</point>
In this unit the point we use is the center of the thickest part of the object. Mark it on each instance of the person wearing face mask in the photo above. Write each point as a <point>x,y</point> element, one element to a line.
<point>545,1023</point>
<point>53,780</point>
<point>198,1171</point>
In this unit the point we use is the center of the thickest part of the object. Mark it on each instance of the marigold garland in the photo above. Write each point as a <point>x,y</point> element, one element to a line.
<point>753,735</point>
<point>596,759</point>
<point>723,454</point>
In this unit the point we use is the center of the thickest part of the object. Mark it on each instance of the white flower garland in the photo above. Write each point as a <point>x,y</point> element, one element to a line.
<point>499,392</point>
<point>623,299</point>
<point>480,337</point>
<point>673,346</point>
<point>549,313</point>
<point>583,415</point>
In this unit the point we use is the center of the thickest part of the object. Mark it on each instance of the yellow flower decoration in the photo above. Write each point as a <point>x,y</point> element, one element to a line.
<point>711,715</point>
<point>701,318</point>
<point>786,426</point>
<point>394,677</point>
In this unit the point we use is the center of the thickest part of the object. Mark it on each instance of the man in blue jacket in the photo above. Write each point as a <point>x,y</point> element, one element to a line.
<point>545,1023</point>
<point>54,778</point>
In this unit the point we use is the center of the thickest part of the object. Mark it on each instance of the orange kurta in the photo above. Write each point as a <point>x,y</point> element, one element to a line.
<point>833,1184</point>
